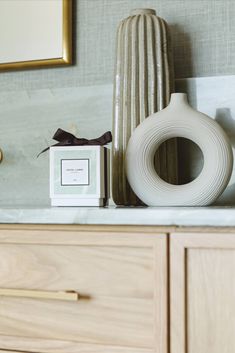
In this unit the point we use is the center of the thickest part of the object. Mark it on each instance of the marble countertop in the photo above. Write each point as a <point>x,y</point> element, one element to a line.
<point>158,216</point>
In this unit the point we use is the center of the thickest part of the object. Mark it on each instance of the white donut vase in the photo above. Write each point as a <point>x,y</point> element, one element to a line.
<point>178,119</point>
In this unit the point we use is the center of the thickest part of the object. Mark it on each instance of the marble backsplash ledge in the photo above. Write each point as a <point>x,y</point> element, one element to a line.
<point>213,96</point>
<point>30,118</point>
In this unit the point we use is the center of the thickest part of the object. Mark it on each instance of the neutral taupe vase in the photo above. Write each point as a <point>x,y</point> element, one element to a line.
<point>179,119</point>
<point>143,84</point>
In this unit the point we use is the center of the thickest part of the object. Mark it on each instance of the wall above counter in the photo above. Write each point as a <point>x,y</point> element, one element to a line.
<point>30,118</point>
<point>202,35</point>
<point>35,34</point>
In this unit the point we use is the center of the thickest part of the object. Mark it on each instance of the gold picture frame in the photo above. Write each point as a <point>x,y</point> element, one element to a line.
<point>66,49</point>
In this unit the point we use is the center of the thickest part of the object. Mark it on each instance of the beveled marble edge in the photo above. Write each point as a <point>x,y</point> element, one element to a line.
<point>163,216</point>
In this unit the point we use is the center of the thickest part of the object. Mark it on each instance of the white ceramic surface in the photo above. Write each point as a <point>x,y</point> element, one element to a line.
<point>179,120</point>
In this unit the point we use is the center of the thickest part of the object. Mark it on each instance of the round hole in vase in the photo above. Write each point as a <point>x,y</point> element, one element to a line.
<point>178,119</point>
<point>190,161</point>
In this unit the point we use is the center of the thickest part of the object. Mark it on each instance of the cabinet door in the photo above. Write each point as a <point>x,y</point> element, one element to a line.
<point>121,279</point>
<point>202,293</point>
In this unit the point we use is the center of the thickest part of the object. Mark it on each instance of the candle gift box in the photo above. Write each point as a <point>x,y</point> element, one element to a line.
<point>79,175</point>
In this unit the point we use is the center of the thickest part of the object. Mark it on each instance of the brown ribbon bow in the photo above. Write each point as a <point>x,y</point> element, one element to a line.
<point>65,138</point>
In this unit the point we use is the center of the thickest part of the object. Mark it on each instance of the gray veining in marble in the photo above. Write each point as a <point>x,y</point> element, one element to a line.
<point>30,118</point>
<point>163,216</point>
<point>213,96</point>
<point>28,122</point>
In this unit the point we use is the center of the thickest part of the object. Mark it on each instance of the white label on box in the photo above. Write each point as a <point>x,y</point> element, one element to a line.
<point>74,171</point>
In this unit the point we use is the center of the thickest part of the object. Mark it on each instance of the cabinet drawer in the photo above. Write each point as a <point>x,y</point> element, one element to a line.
<point>120,278</point>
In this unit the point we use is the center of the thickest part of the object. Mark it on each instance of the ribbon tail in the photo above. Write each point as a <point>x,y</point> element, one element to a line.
<point>56,144</point>
<point>45,149</point>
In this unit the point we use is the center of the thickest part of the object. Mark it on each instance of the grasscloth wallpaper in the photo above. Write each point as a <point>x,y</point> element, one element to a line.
<point>202,33</point>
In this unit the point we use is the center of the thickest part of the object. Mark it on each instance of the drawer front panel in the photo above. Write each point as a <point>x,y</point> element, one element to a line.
<point>119,305</point>
<point>103,320</point>
<point>50,346</point>
<point>96,270</point>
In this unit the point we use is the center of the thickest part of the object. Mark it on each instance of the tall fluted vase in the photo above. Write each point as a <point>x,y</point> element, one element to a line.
<point>143,83</point>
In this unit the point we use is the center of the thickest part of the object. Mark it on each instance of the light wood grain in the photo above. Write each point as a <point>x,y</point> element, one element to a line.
<point>177,296</point>
<point>115,273</point>
<point>202,293</point>
<point>91,270</point>
<point>118,229</point>
<point>52,346</point>
<point>144,229</point>
<point>202,230</point>
<point>104,320</point>
<point>161,297</point>
<point>41,235</point>
<point>107,229</point>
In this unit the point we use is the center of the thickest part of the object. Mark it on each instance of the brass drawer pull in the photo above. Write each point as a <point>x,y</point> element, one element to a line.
<point>1,155</point>
<point>66,295</point>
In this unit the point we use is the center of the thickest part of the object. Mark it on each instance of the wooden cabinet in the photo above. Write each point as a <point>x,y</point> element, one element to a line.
<point>202,295</point>
<point>84,289</point>
<point>121,279</point>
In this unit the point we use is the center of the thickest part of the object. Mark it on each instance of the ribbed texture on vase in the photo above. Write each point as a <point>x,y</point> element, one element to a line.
<point>143,83</point>
<point>180,122</point>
